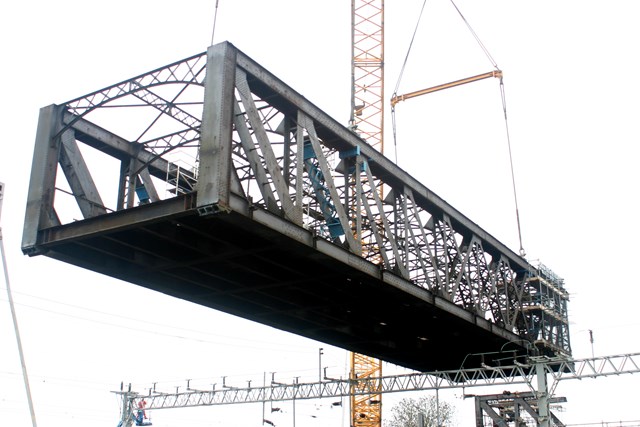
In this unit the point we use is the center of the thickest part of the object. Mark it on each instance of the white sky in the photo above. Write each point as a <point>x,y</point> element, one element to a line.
<point>571,77</point>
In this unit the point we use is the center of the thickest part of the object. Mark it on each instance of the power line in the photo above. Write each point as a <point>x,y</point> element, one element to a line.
<point>128,327</point>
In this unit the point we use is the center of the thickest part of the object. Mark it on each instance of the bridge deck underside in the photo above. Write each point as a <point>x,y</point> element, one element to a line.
<point>230,263</point>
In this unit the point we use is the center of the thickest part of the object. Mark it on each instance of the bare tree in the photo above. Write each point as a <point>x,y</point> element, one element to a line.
<point>407,413</point>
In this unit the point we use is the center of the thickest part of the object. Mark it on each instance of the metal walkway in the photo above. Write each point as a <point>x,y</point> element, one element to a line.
<point>211,180</point>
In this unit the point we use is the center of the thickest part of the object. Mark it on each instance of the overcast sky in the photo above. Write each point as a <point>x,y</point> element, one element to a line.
<point>571,79</point>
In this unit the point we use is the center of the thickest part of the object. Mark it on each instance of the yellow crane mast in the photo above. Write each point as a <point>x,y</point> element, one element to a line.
<point>367,70</point>
<point>367,119</point>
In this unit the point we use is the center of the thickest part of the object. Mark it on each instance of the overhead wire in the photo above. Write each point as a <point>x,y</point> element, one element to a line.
<point>250,343</point>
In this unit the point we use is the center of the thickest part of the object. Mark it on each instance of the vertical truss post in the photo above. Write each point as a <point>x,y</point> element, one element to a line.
<point>216,134</point>
<point>40,212</point>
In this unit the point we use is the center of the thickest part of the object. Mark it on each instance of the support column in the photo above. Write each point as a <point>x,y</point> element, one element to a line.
<point>215,136</point>
<point>127,409</point>
<point>543,395</point>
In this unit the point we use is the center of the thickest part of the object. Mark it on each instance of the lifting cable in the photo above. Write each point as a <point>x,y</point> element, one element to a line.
<point>513,177</point>
<point>215,18</point>
<point>506,123</point>
<point>395,91</point>
<point>504,109</point>
<point>475,36</point>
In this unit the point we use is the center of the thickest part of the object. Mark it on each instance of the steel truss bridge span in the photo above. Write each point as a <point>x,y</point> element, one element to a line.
<point>211,180</point>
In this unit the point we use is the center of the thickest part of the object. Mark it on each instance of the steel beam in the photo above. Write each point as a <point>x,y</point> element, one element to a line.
<point>79,177</point>
<point>109,143</point>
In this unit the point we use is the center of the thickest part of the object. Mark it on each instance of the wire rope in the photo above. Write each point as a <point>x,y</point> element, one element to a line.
<point>502,96</point>
<point>215,18</point>
<point>506,124</point>
<point>513,177</point>
<point>475,35</point>
<point>395,90</point>
<point>406,58</point>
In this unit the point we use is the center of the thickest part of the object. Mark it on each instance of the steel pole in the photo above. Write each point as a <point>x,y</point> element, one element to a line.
<point>543,396</point>
<point>15,319</point>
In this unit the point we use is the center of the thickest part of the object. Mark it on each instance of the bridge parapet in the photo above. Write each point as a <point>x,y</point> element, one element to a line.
<point>216,137</point>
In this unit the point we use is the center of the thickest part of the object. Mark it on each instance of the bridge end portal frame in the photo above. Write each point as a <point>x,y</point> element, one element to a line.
<point>211,180</point>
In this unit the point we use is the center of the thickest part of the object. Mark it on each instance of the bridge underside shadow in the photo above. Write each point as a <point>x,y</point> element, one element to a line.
<point>233,264</point>
<point>250,200</point>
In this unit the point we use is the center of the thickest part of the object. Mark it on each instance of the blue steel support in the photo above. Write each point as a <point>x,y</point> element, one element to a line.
<point>322,192</point>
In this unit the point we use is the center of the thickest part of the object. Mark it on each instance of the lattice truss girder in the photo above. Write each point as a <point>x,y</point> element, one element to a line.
<point>508,375</point>
<point>156,147</point>
<point>288,158</point>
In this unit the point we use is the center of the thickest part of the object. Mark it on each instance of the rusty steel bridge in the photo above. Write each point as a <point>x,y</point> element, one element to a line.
<point>211,180</point>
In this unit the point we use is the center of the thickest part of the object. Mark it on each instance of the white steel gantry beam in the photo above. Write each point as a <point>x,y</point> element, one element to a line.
<point>517,373</point>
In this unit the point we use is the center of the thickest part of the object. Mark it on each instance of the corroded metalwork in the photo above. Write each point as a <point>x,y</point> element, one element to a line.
<point>218,137</point>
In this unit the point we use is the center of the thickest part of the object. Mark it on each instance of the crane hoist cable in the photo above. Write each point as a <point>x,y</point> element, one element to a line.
<point>215,18</point>
<point>506,123</point>
<point>497,73</point>
<point>513,177</point>
<point>475,36</point>
<point>395,90</point>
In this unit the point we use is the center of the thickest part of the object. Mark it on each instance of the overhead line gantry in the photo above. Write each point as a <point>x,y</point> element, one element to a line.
<point>528,371</point>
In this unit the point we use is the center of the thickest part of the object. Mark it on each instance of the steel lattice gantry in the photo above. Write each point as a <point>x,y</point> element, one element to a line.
<point>509,374</point>
<point>211,180</point>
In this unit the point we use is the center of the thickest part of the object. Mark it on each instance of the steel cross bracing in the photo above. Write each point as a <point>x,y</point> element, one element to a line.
<point>520,373</point>
<point>264,152</point>
<point>503,409</point>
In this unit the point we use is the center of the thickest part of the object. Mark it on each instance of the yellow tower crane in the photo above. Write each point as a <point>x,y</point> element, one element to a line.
<point>367,119</point>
